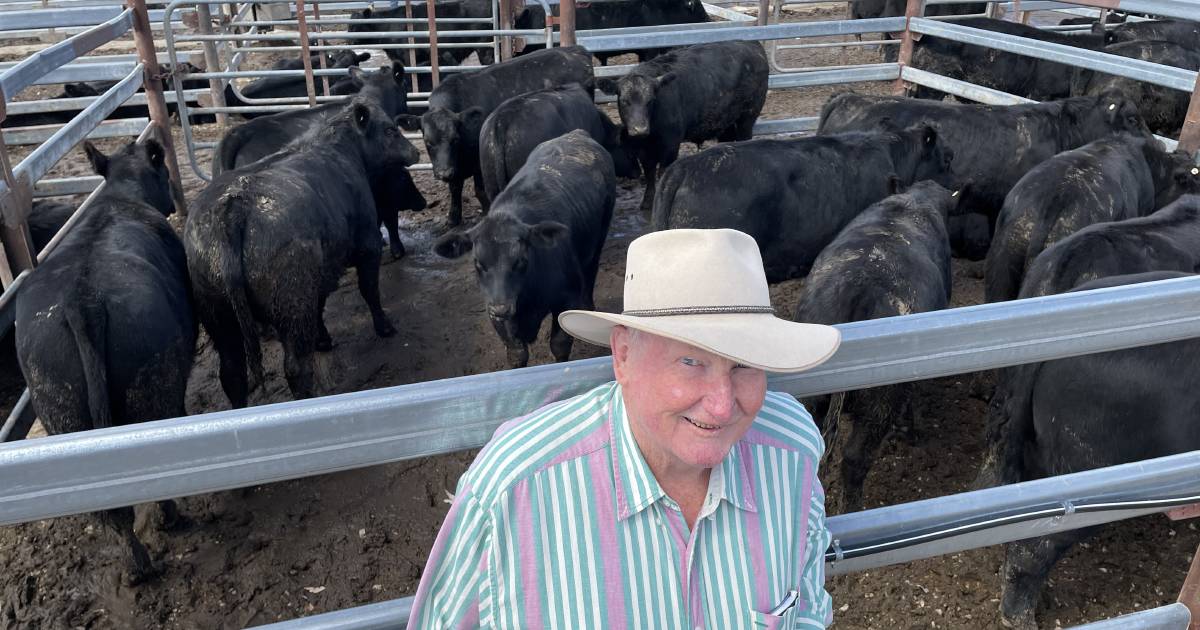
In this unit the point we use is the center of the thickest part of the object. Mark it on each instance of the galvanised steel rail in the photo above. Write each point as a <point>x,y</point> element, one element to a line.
<point>28,71</point>
<point>679,37</point>
<point>1157,74</point>
<point>62,18</point>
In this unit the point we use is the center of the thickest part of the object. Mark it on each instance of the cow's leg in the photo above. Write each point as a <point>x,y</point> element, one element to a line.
<point>231,351</point>
<point>485,204</point>
<point>455,216</point>
<point>299,362</point>
<point>391,220</point>
<point>650,177</point>
<point>324,340</point>
<point>140,568</point>
<point>1026,565</point>
<point>560,340</point>
<point>368,286</point>
<point>871,415</point>
<point>515,348</point>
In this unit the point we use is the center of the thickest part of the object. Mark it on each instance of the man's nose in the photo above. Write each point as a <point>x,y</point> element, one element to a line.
<point>718,399</point>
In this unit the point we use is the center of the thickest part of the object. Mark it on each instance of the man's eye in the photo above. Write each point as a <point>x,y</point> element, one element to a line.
<point>689,361</point>
<point>741,365</point>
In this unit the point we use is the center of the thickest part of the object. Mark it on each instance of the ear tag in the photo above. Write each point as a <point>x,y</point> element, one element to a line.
<point>1112,107</point>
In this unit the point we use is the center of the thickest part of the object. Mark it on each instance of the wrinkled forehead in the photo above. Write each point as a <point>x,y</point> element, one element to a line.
<point>498,238</point>
<point>442,120</point>
<point>637,86</point>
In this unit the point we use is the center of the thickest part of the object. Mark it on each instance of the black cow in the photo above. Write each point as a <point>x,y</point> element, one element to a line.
<point>522,122</point>
<point>46,220</point>
<point>1088,412</point>
<point>892,259</point>
<point>864,9</point>
<point>622,14</point>
<point>794,195</point>
<point>343,59</point>
<point>291,87</point>
<point>1030,77</point>
<point>1183,32</point>
<point>459,105</point>
<point>446,56</point>
<point>1163,108</point>
<point>267,242</point>
<point>1167,240</point>
<point>993,145</point>
<point>538,251</point>
<point>1113,18</point>
<point>691,94</point>
<point>1115,178</point>
<point>105,331</point>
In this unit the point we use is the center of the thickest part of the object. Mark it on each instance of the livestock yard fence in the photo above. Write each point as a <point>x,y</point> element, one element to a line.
<point>85,472</point>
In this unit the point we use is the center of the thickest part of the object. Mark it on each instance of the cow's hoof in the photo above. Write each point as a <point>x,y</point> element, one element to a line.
<point>397,254</point>
<point>140,575</point>
<point>385,330</point>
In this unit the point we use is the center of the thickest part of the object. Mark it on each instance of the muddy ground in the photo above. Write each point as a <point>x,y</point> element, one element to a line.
<point>319,544</point>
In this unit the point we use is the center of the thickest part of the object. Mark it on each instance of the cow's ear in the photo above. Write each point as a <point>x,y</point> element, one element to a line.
<point>154,152</point>
<point>608,85</point>
<point>929,136</point>
<point>398,72</point>
<point>473,119</point>
<point>666,79</point>
<point>547,233</point>
<point>1189,178</point>
<point>366,13</point>
<point>958,195</point>
<point>361,57</point>
<point>409,122</point>
<point>98,160</point>
<point>893,184</point>
<point>362,116</point>
<point>453,245</point>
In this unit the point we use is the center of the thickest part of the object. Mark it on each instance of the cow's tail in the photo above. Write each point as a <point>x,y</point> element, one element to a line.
<point>225,157</point>
<point>664,198</point>
<point>88,322</point>
<point>226,257</point>
<point>1010,426</point>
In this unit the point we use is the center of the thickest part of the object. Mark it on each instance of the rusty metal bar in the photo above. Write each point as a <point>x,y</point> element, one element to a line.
<point>506,22</point>
<point>211,61</point>
<point>914,8</point>
<point>320,57</point>
<point>16,202</point>
<point>408,26</point>
<point>1189,138</point>
<point>764,12</point>
<point>431,17</point>
<point>566,22</point>
<point>302,27</point>
<point>152,80</point>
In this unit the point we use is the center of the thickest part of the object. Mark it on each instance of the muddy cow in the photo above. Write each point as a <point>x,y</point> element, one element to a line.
<point>459,105</point>
<point>105,330</point>
<point>1030,77</point>
<point>797,193</point>
<point>294,86</point>
<point>446,56</point>
<point>621,14</point>
<point>892,259</point>
<point>1183,32</point>
<point>538,251</point>
<point>267,243</point>
<point>1163,108</point>
<point>691,94</point>
<point>993,145</point>
<point>522,122</point>
<point>1115,178</point>
<point>1074,414</point>
<point>1167,240</point>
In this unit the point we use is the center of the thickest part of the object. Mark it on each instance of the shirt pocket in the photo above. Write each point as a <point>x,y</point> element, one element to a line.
<point>766,621</point>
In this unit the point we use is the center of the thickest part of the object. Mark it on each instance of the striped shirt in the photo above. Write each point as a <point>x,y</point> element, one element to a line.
<point>559,523</point>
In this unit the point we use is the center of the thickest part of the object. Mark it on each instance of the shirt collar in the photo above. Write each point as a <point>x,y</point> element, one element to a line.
<point>636,486</point>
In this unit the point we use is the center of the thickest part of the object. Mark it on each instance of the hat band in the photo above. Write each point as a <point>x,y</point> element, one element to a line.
<point>699,310</point>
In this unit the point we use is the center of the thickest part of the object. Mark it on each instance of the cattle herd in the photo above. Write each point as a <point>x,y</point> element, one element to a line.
<point>1070,194</point>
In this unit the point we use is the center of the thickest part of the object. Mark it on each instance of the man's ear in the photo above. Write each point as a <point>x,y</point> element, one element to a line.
<point>618,341</point>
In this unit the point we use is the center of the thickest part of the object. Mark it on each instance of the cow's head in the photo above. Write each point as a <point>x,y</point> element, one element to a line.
<point>139,170</point>
<point>450,137</point>
<point>1184,179</point>
<point>637,97</point>
<point>503,246</point>
<point>922,154</point>
<point>1097,116</point>
<point>388,87</point>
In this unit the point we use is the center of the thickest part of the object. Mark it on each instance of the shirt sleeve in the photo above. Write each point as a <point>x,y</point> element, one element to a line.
<point>819,613</point>
<point>454,584</point>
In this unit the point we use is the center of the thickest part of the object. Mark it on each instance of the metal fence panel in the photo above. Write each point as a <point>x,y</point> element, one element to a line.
<point>680,37</point>
<point>28,71</point>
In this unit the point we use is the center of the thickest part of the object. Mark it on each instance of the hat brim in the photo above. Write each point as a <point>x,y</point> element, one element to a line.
<point>758,340</point>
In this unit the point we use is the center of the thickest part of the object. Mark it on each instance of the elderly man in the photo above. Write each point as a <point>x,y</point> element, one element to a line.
<point>682,495</point>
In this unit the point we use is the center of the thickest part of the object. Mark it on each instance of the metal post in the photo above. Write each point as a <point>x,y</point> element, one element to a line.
<point>914,8</point>
<point>1189,138</point>
<point>211,62</point>
<point>764,12</point>
<point>305,54</point>
<point>152,84</point>
<point>412,52</point>
<point>16,252</point>
<point>321,57</point>
<point>431,16</point>
<point>1189,595</point>
<point>506,23</point>
<point>566,23</point>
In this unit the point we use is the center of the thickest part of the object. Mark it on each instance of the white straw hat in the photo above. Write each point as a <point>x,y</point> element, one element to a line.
<point>707,288</point>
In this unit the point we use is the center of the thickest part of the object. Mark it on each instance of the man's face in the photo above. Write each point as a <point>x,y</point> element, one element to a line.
<point>687,407</point>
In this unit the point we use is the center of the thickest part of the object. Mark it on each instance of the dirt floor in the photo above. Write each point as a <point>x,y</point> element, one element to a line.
<point>319,544</point>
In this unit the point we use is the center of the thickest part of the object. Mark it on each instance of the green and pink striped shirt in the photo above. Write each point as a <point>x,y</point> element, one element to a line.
<point>559,523</point>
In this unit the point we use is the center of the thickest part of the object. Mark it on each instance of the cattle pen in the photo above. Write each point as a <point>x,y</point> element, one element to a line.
<point>74,474</point>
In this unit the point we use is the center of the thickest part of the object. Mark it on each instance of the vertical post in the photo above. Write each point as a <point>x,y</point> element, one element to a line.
<point>764,12</point>
<point>1189,595</point>
<point>212,63</point>
<point>152,84</point>
<point>412,52</point>
<point>305,54</point>
<point>16,250</point>
<point>431,18</point>
<point>505,23</point>
<point>321,56</point>
<point>566,23</point>
<point>1189,138</point>
<point>914,8</point>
